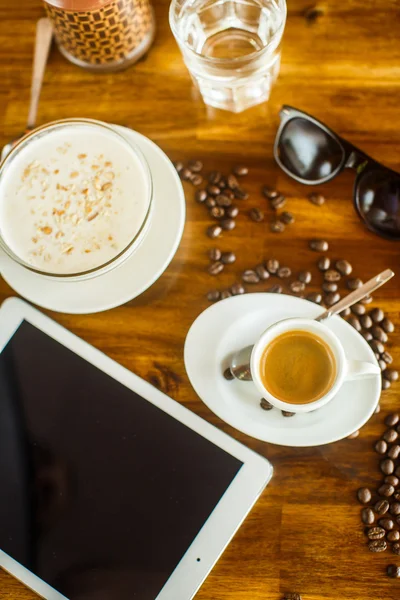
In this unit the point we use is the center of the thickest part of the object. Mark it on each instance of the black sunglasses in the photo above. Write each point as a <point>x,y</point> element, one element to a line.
<point>311,153</point>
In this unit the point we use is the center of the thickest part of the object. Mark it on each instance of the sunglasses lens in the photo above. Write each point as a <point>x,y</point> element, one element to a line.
<point>378,202</point>
<point>308,151</point>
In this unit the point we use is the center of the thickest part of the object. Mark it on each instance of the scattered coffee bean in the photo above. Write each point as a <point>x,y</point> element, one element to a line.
<point>392,479</point>
<point>215,268</point>
<point>223,201</point>
<point>214,254</point>
<point>318,245</point>
<point>366,322</point>
<point>210,202</point>
<point>364,495</point>
<point>284,272</point>
<point>286,413</point>
<point>240,194</point>
<point>297,287</point>
<point>329,287</point>
<point>269,193</point>
<point>213,295</point>
<point>278,202</point>
<point>223,185</point>
<point>377,545</point>
<point>214,177</point>
<point>217,212</point>
<point>395,509</point>
<point>381,447</point>
<point>386,490</point>
<point>397,471</point>
<point>393,571</point>
<point>354,284</point>
<point>387,358</point>
<point>275,289</point>
<point>213,190</point>
<point>358,309</point>
<point>392,420</point>
<point>354,322</point>
<point>305,277</point>
<point>353,435</point>
<point>385,384</point>
<point>381,507</point>
<point>232,212</point>
<point>200,196</point>
<point>394,451</point>
<point>196,179</point>
<point>232,182</point>
<point>178,165</point>
<point>366,300</point>
<point>195,166</point>
<point>396,548</point>
<point>387,466</point>
<point>376,533</point>
<point>250,276</point>
<point>265,405</point>
<point>291,596</point>
<point>262,272</point>
<point>391,375</point>
<point>256,215</point>
<point>237,289</point>
<point>214,231</point>
<point>323,263</point>
<point>317,199</point>
<point>228,258</point>
<point>387,325</point>
<point>315,297</point>
<point>186,174</point>
<point>287,218</point>
<point>277,226</point>
<point>331,299</point>
<point>379,334</point>
<point>377,409</point>
<point>272,265</point>
<point>332,276</point>
<point>225,294</point>
<point>367,335</point>
<point>377,315</point>
<point>377,347</point>
<point>228,224</point>
<point>393,536</point>
<point>345,312</point>
<point>228,374</point>
<point>390,436</point>
<point>344,267</point>
<point>382,364</point>
<point>240,170</point>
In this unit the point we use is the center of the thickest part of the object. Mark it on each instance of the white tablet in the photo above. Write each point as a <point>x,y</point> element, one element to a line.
<point>108,488</point>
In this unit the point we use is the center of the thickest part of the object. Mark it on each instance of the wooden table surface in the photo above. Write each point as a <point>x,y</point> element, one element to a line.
<point>343,66</point>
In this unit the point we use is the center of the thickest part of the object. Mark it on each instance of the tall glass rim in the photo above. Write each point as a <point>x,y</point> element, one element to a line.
<point>237,60</point>
<point>125,252</point>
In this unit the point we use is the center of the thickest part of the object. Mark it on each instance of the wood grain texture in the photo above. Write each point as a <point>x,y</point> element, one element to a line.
<point>344,66</point>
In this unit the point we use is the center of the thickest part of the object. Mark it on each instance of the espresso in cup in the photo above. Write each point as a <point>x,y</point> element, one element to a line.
<point>298,367</point>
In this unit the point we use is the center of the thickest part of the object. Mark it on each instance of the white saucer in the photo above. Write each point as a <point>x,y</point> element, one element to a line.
<point>234,323</point>
<point>138,272</point>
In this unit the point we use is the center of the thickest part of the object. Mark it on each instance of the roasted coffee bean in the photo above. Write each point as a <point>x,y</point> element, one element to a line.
<point>227,192</point>
<point>387,358</point>
<point>277,226</point>
<point>395,509</point>
<point>390,436</point>
<point>358,309</point>
<point>213,295</point>
<point>385,384</point>
<point>377,409</point>
<point>228,258</point>
<point>377,315</point>
<point>225,294</point>
<point>214,177</point>
<point>344,267</point>
<point>284,272</point>
<point>329,287</point>
<point>250,276</point>
<point>315,297</point>
<point>272,265</point>
<point>317,199</point>
<point>393,536</point>
<point>392,480</point>
<point>186,174</point>
<point>377,545</point>
<point>269,193</point>
<point>394,451</point>
<point>214,231</point>
<point>237,289</point>
<point>217,212</point>
<point>287,218</point>
<point>232,182</point>
<point>232,212</point>
<point>223,201</point>
<point>397,472</point>
<point>305,276</point>
<point>366,321</point>
<point>381,447</point>
<point>386,490</point>
<point>318,245</point>
<point>278,202</point>
<point>387,466</point>
<point>262,271</point>
<point>213,190</point>
<point>291,596</point>
<point>287,413</point>
<point>240,170</point>
<point>364,495</point>
<point>215,268</point>
<point>393,570</point>
<point>214,254</point>
<point>354,322</point>
<point>332,276</point>
<point>256,215</point>
<point>387,325</point>
<point>379,334</point>
<point>265,405</point>
<point>382,364</point>
<point>396,548</point>
<point>391,375</point>
<point>354,284</point>
<point>178,165</point>
<point>366,300</point>
<point>200,196</point>
<point>376,533</point>
<point>275,289</point>
<point>210,202</point>
<point>392,420</point>
<point>297,287</point>
<point>195,166</point>
<point>240,193</point>
<point>381,507</point>
<point>196,179</point>
<point>323,263</point>
<point>367,335</point>
<point>377,347</point>
<point>228,374</point>
<point>222,184</point>
<point>353,435</point>
<point>345,312</point>
<point>228,224</point>
<point>331,299</point>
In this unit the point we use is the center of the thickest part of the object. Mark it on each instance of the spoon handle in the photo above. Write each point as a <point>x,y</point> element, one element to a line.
<point>44,34</point>
<point>354,297</point>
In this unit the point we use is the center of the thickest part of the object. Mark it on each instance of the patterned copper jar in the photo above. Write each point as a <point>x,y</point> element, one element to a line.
<point>102,35</point>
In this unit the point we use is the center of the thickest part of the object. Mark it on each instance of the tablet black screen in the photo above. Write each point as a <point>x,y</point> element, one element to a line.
<point>101,492</point>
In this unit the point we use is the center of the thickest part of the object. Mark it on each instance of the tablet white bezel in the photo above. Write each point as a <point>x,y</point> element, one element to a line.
<point>229,513</point>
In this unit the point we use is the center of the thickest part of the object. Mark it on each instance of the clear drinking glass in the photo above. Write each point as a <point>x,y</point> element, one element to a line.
<point>231,48</point>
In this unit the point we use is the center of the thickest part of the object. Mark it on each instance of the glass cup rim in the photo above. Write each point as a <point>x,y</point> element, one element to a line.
<point>238,60</point>
<point>116,259</point>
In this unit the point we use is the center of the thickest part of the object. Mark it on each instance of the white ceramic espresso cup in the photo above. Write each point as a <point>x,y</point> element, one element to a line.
<point>345,369</point>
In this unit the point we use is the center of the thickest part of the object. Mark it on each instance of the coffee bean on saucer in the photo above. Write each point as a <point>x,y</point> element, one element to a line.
<point>344,267</point>
<point>391,375</point>
<point>232,212</point>
<point>196,179</point>
<point>284,272</point>
<point>250,276</point>
<point>217,212</point>
<point>379,334</point>
<point>376,533</point>
<point>329,287</point>
<point>364,495</point>
<point>387,358</point>
<point>262,271</point>
<point>317,199</point>
<point>228,258</point>
<point>210,202</point>
<point>223,201</point>
<point>287,218</point>
<point>200,196</point>
<point>256,215</point>
<point>186,174</point>
<point>272,265</point>
<point>286,413</point>
<point>315,297</point>
<point>240,193</point>
<point>318,245</point>
<point>214,254</point>
<point>367,335</point>
<point>396,548</point>
<point>277,226</point>
<point>305,276</point>
<point>228,224</point>
<point>331,299</point>
<point>377,545</point>
<point>393,570</point>
<point>387,325</point>
<point>178,165</point>
<point>297,287</point>
<point>345,312</point>
<point>387,466</point>
<point>240,170</point>
<point>265,405</point>
<point>381,507</point>
<point>213,190</point>
<point>395,509</point>
<point>195,166</point>
<point>390,436</point>
<point>228,374</point>
<point>381,447</point>
<point>367,516</point>
<point>386,490</point>
<point>237,289</point>
<point>377,346</point>
<point>215,268</point>
<point>354,435</point>
<point>225,294</point>
<point>366,322</point>
<point>269,193</point>
<point>275,289</point>
<point>394,452</point>
<point>214,231</point>
<point>323,263</point>
<point>213,295</point>
<point>214,177</point>
<point>354,284</point>
<point>232,182</point>
<point>358,309</point>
